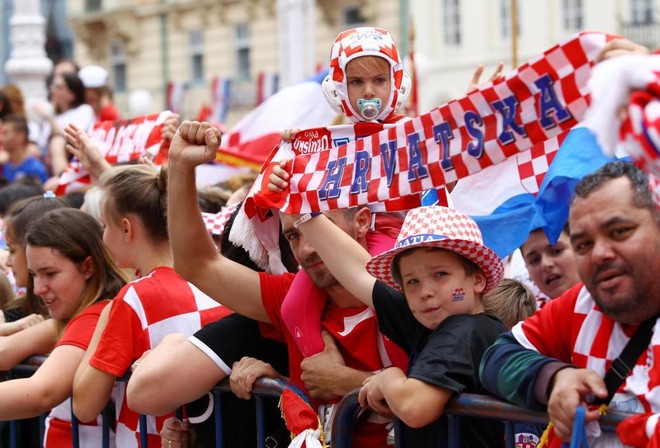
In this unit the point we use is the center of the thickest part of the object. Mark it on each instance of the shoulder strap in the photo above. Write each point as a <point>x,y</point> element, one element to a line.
<point>621,366</point>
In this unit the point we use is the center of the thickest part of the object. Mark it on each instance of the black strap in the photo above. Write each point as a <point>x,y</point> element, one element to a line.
<point>621,366</point>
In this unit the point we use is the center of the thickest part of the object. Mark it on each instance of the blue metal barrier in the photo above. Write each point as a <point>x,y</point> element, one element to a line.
<point>264,388</point>
<point>464,405</point>
<point>348,409</point>
<point>24,370</point>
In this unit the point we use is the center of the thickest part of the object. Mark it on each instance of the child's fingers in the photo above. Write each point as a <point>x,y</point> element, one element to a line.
<point>477,75</point>
<point>497,74</point>
<point>279,171</point>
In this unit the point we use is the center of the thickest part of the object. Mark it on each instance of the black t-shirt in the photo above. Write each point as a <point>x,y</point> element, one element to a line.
<point>230,339</point>
<point>447,357</point>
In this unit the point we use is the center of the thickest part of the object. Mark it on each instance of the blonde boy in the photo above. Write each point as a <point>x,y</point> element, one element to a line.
<point>426,293</point>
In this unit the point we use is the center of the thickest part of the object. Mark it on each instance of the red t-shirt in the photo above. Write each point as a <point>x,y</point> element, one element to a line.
<point>355,331</point>
<point>57,432</point>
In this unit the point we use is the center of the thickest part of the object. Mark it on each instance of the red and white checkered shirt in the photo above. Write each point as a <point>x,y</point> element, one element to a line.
<point>145,311</point>
<point>572,329</point>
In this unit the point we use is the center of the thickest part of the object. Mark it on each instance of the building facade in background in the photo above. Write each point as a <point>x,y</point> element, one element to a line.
<point>194,45</point>
<point>455,36</point>
<point>248,49</point>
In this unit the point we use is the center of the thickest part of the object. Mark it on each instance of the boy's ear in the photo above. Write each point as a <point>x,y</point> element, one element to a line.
<point>362,222</point>
<point>479,281</point>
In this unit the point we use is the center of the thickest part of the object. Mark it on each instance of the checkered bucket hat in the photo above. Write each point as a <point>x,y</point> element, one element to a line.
<point>444,228</point>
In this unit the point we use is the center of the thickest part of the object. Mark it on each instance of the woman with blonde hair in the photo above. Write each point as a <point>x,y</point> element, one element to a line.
<point>159,302</point>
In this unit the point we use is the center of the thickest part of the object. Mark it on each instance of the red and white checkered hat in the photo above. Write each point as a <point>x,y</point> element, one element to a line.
<point>215,223</point>
<point>354,43</point>
<point>444,228</point>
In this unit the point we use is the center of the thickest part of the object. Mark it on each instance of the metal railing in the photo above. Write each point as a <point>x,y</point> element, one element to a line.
<point>264,388</point>
<point>463,405</point>
<point>343,425</point>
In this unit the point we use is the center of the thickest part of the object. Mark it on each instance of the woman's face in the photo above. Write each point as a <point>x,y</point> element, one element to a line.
<point>57,280</point>
<point>113,235</point>
<point>60,94</point>
<point>17,262</point>
<point>552,267</point>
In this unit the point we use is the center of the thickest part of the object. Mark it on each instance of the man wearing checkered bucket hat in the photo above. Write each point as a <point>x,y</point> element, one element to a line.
<point>426,293</point>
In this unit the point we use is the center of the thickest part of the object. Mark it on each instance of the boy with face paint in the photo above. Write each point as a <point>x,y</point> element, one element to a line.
<point>366,83</point>
<point>427,295</point>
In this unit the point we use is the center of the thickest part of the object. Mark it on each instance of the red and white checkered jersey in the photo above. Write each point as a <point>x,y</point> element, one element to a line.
<point>145,311</point>
<point>572,329</point>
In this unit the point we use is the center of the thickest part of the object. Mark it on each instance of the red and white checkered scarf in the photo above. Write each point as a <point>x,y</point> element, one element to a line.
<point>532,107</point>
<point>625,111</point>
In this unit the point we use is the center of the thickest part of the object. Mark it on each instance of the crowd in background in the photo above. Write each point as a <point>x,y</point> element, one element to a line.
<point>139,274</point>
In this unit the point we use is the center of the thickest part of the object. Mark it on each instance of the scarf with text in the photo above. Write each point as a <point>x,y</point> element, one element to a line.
<point>529,111</point>
<point>532,107</point>
<point>120,141</point>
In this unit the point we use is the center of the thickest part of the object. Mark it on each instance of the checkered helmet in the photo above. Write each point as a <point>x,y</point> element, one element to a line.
<point>354,43</point>
<point>444,228</point>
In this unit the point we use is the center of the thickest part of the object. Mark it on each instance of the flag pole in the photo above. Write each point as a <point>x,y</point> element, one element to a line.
<point>514,34</point>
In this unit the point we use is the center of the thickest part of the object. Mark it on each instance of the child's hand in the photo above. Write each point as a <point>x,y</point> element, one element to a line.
<point>474,83</point>
<point>621,47</point>
<point>278,181</point>
<point>289,134</point>
<point>371,395</point>
<point>194,143</point>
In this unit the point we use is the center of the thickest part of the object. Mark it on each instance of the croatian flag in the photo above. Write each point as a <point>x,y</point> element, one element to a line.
<point>175,93</point>
<point>267,86</point>
<point>300,105</point>
<point>529,191</point>
<point>220,99</point>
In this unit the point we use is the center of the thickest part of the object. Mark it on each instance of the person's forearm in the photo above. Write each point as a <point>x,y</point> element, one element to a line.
<point>97,168</point>
<point>23,398</point>
<point>91,391</point>
<point>57,149</point>
<point>157,370</point>
<point>413,401</point>
<point>510,371</point>
<point>191,244</point>
<point>347,379</point>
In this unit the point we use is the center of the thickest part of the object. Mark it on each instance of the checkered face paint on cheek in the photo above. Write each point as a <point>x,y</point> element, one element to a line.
<point>458,295</point>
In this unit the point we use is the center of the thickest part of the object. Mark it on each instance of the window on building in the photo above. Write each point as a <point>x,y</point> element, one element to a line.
<point>243,51</point>
<point>59,38</point>
<point>118,65</point>
<point>641,11</point>
<point>93,5</point>
<point>572,14</point>
<point>353,17</point>
<point>452,22</point>
<point>505,17</point>
<point>196,51</point>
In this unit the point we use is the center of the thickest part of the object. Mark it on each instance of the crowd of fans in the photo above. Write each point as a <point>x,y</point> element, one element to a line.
<point>411,308</point>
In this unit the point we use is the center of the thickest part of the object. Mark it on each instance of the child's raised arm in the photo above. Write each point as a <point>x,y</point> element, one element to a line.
<point>341,253</point>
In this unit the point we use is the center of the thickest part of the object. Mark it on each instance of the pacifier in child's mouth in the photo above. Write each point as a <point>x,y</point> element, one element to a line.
<point>369,109</point>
